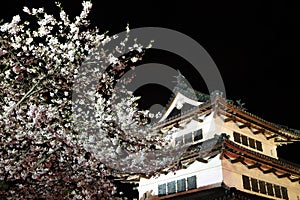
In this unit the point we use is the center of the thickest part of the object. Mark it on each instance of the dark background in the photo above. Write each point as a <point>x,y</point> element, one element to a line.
<point>254,44</point>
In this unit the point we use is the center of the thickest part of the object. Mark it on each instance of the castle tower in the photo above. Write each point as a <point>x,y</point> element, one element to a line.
<point>230,154</point>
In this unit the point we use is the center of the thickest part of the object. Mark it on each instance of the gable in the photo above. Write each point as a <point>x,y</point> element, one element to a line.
<point>177,103</point>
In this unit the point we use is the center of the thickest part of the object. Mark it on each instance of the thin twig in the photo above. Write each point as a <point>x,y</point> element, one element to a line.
<point>24,97</point>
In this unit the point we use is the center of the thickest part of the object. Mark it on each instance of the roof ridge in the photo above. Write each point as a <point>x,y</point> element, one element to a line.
<point>281,127</point>
<point>281,162</point>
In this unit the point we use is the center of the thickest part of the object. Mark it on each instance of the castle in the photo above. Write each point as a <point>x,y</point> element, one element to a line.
<point>230,154</point>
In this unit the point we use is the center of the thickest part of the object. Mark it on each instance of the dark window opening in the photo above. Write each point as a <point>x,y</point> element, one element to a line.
<point>277,191</point>
<point>259,146</point>
<point>244,140</point>
<point>252,143</point>
<point>162,190</point>
<point>171,187</point>
<point>270,189</point>
<point>181,185</point>
<point>191,182</point>
<point>262,187</point>
<point>284,193</point>
<point>188,138</point>
<point>247,141</point>
<point>198,135</point>
<point>237,137</point>
<point>254,185</point>
<point>246,182</point>
<point>179,140</point>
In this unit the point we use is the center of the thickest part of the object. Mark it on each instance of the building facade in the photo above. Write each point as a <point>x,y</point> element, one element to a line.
<point>229,153</point>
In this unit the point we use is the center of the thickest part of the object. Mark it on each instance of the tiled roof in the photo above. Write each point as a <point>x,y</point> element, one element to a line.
<point>232,146</point>
<point>230,107</point>
<point>281,127</point>
<point>220,145</point>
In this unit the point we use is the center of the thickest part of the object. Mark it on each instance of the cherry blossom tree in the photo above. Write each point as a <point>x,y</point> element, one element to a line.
<point>41,155</point>
<point>61,138</point>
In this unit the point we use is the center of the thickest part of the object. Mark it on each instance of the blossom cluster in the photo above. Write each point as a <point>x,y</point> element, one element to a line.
<point>61,139</point>
<point>41,155</point>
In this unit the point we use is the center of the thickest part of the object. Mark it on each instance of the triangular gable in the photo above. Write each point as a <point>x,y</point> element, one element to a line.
<point>178,102</point>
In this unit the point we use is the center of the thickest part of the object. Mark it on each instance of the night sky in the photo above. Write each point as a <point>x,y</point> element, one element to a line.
<point>255,45</point>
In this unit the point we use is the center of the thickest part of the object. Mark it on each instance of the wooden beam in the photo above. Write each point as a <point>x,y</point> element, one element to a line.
<point>247,124</point>
<point>202,160</point>
<point>221,154</point>
<point>272,136</point>
<point>269,170</point>
<point>258,131</point>
<point>164,172</point>
<point>196,118</point>
<point>182,165</point>
<point>286,141</point>
<point>238,159</point>
<point>284,175</point>
<point>177,125</point>
<point>295,179</point>
<point>225,156</point>
<point>200,120</point>
<point>228,119</point>
<point>253,166</point>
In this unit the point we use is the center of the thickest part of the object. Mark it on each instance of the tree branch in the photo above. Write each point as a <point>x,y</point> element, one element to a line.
<point>24,97</point>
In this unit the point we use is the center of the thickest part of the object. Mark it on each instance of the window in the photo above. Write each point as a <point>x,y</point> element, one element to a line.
<point>270,189</point>
<point>246,182</point>
<point>162,190</point>
<point>247,141</point>
<point>181,185</point>
<point>252,143</point>
<point>171,187</point>
<point>191,182</point>
<point>244,140</point>
<point>277,191</point>
<point>188,138</point>
<point>179,140</point>
<point>254,185</point>
<point>265,187</point>
<point>285,193</point>
<point>177,186</point>
<point>198,135</point>
<point>237,137</point>
<point>259,146</point>
<point>262,187</point>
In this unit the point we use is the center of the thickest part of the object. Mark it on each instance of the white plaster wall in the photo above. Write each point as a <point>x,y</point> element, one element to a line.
<point>209,127</point>
<point>206,173</point>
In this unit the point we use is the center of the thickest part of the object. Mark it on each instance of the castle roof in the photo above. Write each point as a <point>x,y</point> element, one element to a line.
<point>221,146</point>
<point>229,112</point>
<point>235,153</point>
